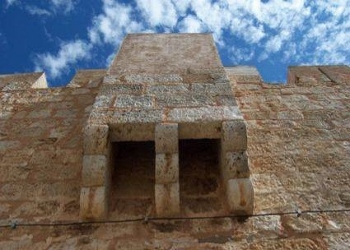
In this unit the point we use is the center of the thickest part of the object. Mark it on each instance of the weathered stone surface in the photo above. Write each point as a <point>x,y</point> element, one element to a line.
<point>116,89</point>
<point>234,136</point>
<point>167,168</point>
<point>240,196</point>
<point>234,165</point>
<point>167,199</point>
<point>185,100</point>
<point>137,116</point>
<point>95,171</point>
<point>298,151</point>
<point>93,202</point>
<point>96,139</point>
<point>153,78</point>
<point>203,114</point>
<point>166,138</point>
<point>212,89</point>
<point>200,130</point>
<point>132,132</point>
<point>162,89</point>
<point>130,101</point>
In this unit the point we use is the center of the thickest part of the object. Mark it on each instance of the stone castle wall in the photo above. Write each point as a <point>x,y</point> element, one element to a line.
<point>298,150</point>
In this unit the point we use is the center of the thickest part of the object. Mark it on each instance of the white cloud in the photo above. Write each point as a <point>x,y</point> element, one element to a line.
<point>191,24</point>
<point>34,10</point>
<point>68,54</point>
<point>160,12</point>
<point>112,25</point>
<point>295,31</point>
<point>11,2</point>
<point>65,5</point>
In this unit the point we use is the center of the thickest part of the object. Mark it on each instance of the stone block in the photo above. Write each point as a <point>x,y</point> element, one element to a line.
<point>93,203</point>
<point>137,116</point>
<point>167,89</point>
<point>234,165</point>
<point>132,132</point>
<point>234,136</point>
<point>192,99</point>
<point>95,170</point>
<point>96,139</point>
<point>167,198</point>
<point>200,130</point>
<point>212,89</point>
<point>204,114</point>
<point>133,101</point>
<point>103,101</point>
<point>240,196</point>
<point>167,168</point>
<point>117,89</point>
<point>166,138</point>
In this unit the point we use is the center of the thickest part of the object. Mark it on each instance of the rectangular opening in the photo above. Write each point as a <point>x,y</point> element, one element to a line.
<point>201,189</point>
<point>133,179</point>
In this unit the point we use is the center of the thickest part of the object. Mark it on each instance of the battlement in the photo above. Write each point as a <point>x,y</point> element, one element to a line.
<point>23,81</point>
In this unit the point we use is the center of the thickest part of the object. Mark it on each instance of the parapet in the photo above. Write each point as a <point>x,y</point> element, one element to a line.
<point>23,81</point>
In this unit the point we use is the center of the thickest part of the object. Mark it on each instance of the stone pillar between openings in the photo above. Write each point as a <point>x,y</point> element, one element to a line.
<point>167,191</point>
<point>96,173</point>
<point>234,167</point>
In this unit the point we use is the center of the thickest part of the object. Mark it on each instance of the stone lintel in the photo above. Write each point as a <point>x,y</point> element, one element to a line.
<point>132,132</point>
<point>200,130</point>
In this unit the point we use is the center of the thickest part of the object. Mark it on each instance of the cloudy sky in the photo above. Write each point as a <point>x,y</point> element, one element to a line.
<point>62,36</point>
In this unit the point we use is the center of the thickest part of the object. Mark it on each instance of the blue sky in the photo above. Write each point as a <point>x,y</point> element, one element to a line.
<point>62,36</point>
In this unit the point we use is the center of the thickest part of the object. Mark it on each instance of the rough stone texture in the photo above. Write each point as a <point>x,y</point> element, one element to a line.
<point>166,138</point>
<point>93,202</point>
<point>94,171</point>
<point>96,139</point>
<point>298,150</point>
<point>167,168</point>
<point>240,195</point>
<point>41,151</point>
<point>167,199</point>
<point>137,103</point>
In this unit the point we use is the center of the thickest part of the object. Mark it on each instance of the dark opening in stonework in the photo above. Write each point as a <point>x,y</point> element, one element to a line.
<point>132,189</point>
<point>201,189</point>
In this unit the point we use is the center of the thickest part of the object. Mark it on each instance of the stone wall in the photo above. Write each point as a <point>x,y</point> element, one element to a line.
<point>298,150</point>
<point>41,147</point>
<point>298,146</point>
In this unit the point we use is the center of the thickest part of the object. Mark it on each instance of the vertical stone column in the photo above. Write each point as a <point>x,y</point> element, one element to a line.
<point>234,167</point>
<point>167,191</point>
<point>96,173</point>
